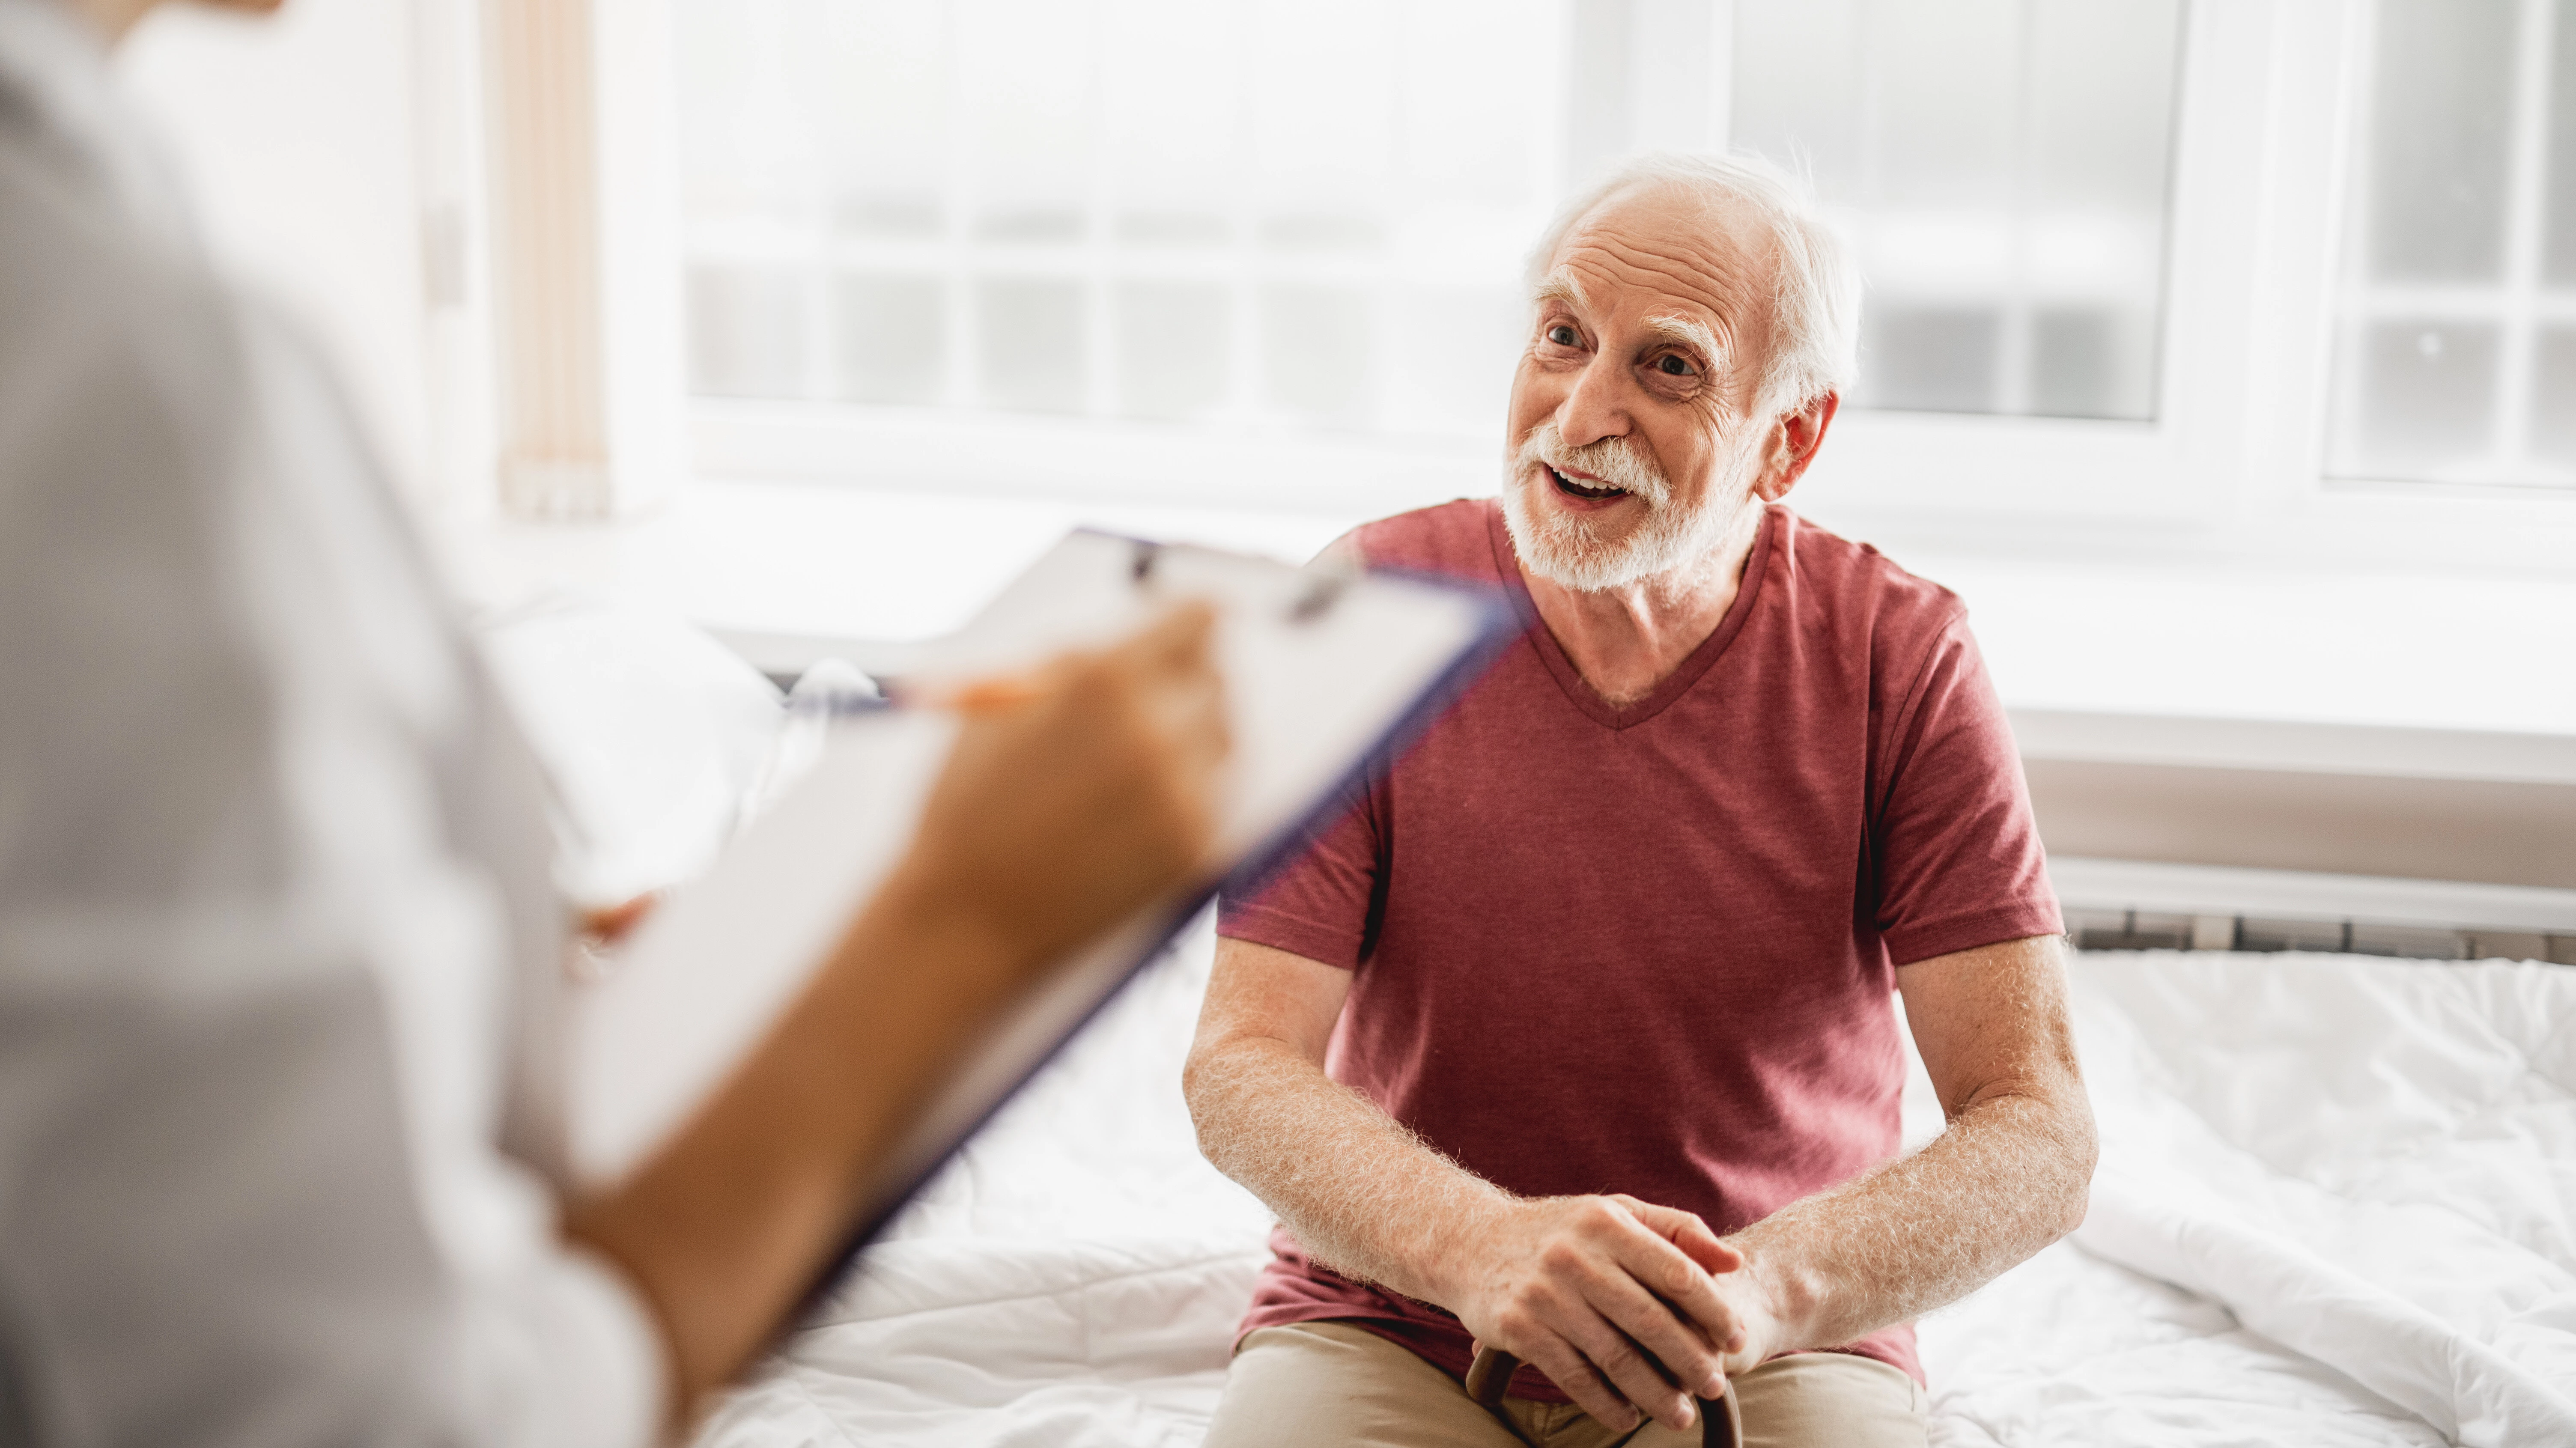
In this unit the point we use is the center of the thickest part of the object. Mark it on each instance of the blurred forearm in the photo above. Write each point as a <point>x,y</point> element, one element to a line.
<point>727,1226</point>
<point>1082,793</point>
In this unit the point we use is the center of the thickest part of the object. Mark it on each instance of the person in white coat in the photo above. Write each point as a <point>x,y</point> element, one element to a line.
<point>279,1163</point>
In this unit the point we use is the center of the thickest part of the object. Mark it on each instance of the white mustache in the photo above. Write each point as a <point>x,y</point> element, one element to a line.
<point>1612,460</point>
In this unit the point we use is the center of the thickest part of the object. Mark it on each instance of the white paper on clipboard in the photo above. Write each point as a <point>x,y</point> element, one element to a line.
<point>1319,671</point>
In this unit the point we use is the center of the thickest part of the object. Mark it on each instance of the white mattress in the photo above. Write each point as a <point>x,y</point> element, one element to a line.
<point>2337,1205</point>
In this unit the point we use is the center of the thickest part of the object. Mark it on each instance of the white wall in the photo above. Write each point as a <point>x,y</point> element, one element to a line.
<point>300,137</point>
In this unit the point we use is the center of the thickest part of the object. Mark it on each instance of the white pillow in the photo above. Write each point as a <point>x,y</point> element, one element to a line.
<point>653,735</point>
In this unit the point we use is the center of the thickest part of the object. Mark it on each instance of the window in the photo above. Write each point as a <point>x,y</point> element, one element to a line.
<point>2003,167</point>
<point>2455,353</point>
<point>2248,277</point>
<point>1246,215</point>
<point>1257,213</point>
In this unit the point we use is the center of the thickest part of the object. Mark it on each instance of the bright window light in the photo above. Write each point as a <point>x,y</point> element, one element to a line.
<point>1247,215</point>
<point>2455,350</point>
<point>2004,166</point>
<point>2195,266</point>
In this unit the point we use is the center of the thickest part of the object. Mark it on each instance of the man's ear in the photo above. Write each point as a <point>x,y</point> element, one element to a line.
<point>1795,436</point>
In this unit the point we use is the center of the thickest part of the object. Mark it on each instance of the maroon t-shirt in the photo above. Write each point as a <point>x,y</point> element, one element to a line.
<point>1650,949</point>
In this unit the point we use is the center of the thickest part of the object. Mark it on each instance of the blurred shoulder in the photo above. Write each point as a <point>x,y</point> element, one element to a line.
<point>125,408</point>
<point>97,297</point>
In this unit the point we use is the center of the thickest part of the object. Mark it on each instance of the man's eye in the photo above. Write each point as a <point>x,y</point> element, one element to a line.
<point>1672,366</point>
<point>1563,335</point>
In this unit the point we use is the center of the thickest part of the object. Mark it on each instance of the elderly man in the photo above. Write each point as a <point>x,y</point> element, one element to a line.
<point>1574,1036</point>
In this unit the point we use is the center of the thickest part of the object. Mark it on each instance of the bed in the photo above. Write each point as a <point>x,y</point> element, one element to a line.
<point>2336,1204</point>
<point>2334,1207</point>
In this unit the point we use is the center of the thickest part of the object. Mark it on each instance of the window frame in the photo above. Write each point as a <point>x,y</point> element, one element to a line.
<point>2287,502</point>
<point>2167,474</point>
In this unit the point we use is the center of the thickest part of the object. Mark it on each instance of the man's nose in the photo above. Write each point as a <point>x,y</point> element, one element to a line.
<point>1595,407</point>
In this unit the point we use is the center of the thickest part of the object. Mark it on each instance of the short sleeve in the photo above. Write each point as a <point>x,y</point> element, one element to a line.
<point>1321,899</point>
<point>1957,855</point>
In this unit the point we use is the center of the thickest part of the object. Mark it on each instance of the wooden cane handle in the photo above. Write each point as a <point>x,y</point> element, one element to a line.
<point>1489,1377</point>
<point>1721,1421</point>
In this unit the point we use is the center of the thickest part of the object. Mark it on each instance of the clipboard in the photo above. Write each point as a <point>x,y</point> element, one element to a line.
<point>1323,672</point>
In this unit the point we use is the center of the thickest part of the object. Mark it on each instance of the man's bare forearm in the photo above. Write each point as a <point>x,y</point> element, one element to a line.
<point>2007,1178</point>
<point>1579,1285</point>
<point>1365,1196</point>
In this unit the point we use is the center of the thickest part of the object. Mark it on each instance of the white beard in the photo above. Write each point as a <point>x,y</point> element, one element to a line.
<point>1563,547</point>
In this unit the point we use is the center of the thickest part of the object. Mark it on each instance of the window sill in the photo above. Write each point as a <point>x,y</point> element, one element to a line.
<point>2426,665</point>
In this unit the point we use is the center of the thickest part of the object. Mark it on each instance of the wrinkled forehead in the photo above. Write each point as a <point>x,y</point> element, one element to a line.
<point>1659,251</point>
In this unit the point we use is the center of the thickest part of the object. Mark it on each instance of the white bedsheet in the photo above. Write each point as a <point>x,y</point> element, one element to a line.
<point>2337,1206</point>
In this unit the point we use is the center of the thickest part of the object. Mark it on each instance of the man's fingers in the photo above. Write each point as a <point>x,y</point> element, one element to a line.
<point>1617,1302</point>
<point>1685,1355</point>
<point>1687,1231</point>
<point>1703,1246</point>
<point>1665,1270</point>
<point>1567,1367</point>
<point>1635,1376</point>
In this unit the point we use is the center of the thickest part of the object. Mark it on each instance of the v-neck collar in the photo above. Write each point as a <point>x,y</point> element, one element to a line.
<point>1507,565</point>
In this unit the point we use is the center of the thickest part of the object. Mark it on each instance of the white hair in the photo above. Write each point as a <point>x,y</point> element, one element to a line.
<point>1815,312</point>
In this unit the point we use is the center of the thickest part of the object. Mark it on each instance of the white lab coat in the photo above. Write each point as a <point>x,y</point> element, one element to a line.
<point>277,947</point>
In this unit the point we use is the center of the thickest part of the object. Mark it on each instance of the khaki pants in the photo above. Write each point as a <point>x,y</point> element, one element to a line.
<point>1330,1383</point>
